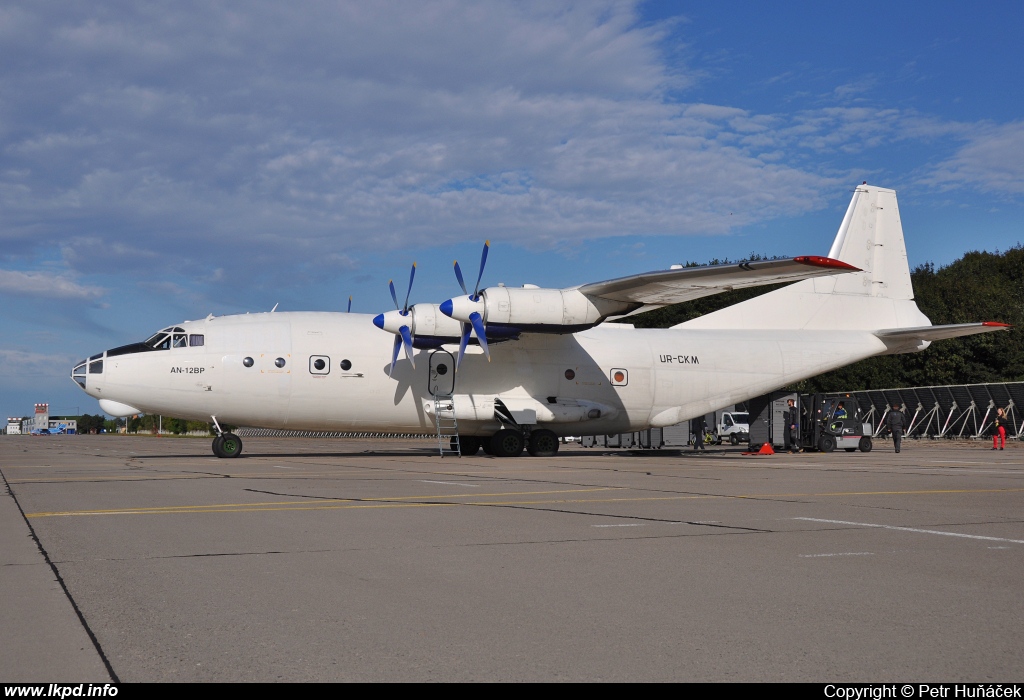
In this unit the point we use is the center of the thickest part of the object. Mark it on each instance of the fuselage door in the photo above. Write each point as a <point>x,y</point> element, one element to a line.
<point>441,374</point>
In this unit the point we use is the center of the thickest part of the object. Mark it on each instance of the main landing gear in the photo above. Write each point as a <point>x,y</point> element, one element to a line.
<point>510,443</point>
<point>226,444</point>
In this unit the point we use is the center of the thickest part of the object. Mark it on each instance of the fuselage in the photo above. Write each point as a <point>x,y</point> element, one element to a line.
<point>329,371</point>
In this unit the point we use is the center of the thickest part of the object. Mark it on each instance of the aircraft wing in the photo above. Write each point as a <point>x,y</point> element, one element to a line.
<point>686,283</point>
<point>941,332</point>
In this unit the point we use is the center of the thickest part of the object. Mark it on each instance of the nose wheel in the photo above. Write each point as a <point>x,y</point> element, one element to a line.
<point>227,445</point>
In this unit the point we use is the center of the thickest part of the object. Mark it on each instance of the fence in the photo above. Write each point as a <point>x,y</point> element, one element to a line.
<point>953,411</point>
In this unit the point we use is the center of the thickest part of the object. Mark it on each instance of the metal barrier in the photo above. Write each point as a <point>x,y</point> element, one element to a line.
<point>954,411</point>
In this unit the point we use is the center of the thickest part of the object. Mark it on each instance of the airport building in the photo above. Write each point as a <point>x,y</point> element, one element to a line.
<point>41,423</point>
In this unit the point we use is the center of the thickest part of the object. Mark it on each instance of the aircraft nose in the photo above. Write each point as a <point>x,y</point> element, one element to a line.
<point>378,321</point>
<point>446,308</point>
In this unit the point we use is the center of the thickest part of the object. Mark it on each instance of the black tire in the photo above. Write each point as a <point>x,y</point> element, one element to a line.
<point>227,445</point>
<point>468,445</point>
<point>734,440</point>
<point>827,443</point>
<point>865,444</point>
<point>507,443</point>
<point>485,444</point>
<point>543,443</point>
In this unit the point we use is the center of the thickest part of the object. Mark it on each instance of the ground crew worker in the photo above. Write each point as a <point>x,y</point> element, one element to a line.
<point>895,421</point>
<point>841,412</point>
<point>697,426</point>
<point>791,435</point>
<point>1001,424</point>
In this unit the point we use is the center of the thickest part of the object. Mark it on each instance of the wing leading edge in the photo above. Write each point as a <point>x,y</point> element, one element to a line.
<point>683,284</point>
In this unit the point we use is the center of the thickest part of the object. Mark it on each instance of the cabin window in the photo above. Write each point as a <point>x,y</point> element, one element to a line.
<point>248,362</point>
<point>280,362</point>
<point>319,364</point>
<point>346,365</point>
<point>196,340</point>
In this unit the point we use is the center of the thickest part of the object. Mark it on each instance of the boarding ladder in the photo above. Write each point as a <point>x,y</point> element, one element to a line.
<point>447,425</point>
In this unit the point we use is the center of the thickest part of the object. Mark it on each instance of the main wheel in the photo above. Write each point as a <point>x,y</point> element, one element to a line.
<point>865,444</point>
<point>507,443</point>
<point>827,443</point>
<point>543,443</point>
<point>227,445</point>
<point>468,445</point>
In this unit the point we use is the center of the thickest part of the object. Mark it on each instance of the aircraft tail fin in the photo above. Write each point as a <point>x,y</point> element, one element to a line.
<point>871,238</point>
<point>878,296</point>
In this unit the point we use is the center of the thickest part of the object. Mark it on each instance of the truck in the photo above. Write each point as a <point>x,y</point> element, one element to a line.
<point>733,426</point>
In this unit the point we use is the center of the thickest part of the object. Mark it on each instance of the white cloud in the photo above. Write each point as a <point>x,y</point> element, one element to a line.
<point>254,137</point>
<point>20,364</point>
<point>149,142</point>
<point>992,160</point>
<point>44,285</point>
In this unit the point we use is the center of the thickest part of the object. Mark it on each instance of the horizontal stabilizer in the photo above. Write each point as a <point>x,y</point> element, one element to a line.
<point>686,283</point>
<point>930,333</point>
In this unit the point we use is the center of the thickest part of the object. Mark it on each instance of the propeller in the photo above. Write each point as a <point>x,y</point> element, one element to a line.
<point>404,332</point>
<point>349,309</point>
<point>476,323</point>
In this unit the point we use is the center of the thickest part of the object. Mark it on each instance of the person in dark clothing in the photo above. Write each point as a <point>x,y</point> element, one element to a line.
<point>791,433</point>
<point>895,421</point>
<point>697,426</point>
<point>999,428</point>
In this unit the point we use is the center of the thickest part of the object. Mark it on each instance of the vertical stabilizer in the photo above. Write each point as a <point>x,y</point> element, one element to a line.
<point>880,296</point>
<point>871,238</point>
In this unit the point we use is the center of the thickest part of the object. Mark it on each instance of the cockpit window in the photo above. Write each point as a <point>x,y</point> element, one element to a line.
<point>196,340</point>
<point>180,340</point>
<point>160,341</point>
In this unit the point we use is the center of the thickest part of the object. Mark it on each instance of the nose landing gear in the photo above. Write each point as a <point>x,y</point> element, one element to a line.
<point>225,444</point>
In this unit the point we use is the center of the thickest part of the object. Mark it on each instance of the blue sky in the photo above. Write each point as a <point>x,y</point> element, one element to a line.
<point>160,163</point>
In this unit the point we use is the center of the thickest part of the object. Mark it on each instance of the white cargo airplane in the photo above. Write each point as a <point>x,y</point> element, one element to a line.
<point>535,364</point>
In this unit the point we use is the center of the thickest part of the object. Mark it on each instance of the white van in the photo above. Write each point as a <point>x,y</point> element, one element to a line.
<point>733,426</point>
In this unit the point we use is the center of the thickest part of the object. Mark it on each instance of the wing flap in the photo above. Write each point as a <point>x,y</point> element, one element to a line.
<point>930,333</point>
<point>686,283</point>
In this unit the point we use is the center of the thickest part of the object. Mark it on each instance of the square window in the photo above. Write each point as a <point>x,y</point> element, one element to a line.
<point>196,340</point>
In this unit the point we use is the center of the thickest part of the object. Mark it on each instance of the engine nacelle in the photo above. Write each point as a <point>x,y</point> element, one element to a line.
<point>428,326</point>
<point>536,310</point>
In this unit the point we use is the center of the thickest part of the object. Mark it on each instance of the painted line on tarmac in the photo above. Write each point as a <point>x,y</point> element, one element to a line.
<point>307,504</point>
<point>836,554</point>
<point>913,529</point>
<point>961,461</point>
<point>449,483</point>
